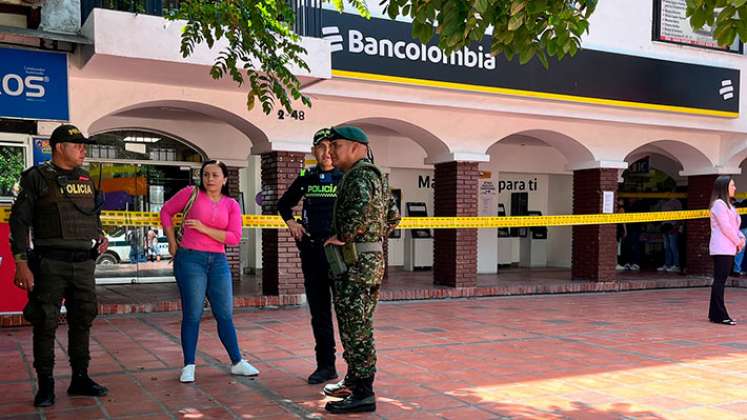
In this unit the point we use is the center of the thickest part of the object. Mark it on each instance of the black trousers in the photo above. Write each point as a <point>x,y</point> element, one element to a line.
<point>53,281</point>
<point>319,289</point>
<point>722,265</point>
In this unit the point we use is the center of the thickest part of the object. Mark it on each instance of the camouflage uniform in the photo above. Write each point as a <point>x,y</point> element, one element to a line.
<point>364,212</point>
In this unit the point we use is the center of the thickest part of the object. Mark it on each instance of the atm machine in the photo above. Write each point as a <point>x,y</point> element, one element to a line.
<point>534,245</point>
<point>418,242</point>
<point>505,242</point>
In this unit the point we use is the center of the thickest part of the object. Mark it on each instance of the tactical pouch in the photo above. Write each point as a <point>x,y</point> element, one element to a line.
<point>335,260</point>
<point>350,253</point>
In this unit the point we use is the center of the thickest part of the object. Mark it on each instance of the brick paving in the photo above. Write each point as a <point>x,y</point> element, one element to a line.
<point>633,355</point>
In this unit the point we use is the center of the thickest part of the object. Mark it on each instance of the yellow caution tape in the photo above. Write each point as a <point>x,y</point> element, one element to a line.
<point>662,195</point>
<point>257,221</point>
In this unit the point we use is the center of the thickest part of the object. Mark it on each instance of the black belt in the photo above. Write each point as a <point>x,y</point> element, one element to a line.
<point>68,255</point>
<point>314,240</point>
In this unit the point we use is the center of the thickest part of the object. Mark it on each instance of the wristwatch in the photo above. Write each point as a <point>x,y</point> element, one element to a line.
<point>20,257</point>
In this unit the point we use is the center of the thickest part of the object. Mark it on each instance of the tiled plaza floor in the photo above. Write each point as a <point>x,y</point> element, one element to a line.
<point>629,355</point>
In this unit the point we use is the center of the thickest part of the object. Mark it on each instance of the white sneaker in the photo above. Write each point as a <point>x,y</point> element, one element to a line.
<point>188,374</point>
<point>243,368</point>
<point>635,267</point>
<point>620,268</point>
<point>663,268</point>
<point>674,269</point>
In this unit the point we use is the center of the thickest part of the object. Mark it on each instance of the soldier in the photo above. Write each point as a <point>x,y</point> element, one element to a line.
<point>364,214</point>
<point>58,204</point>
<point>318,188</point>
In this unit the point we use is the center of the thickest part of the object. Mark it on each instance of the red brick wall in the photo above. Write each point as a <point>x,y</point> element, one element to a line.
<point>232,252</point>
<point>455,250</point>
<point>594,249</point>
<point>281,265</point>
<point>697,260</point>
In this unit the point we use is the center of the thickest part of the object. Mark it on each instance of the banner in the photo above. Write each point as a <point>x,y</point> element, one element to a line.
<point>384,50</point>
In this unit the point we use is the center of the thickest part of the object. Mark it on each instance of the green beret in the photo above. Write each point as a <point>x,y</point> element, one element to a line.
<point>349,132</point>
<point>321,135</point>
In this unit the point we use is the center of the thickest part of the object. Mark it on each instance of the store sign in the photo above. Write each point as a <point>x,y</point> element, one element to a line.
<point>384,50</point>
<point>671,24</point>
<point>33,85</point>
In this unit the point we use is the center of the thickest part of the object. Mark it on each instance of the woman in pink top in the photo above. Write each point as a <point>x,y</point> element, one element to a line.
<point>201,267</point>
<point>726,241</point>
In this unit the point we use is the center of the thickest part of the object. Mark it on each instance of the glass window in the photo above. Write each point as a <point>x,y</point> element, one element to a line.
<point>13,162</point>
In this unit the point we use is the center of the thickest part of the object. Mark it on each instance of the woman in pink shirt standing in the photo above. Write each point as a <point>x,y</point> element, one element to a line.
<point>726,241</point>
<point>200,265</point>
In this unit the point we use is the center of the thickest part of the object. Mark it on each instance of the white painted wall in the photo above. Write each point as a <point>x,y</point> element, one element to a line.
<point>559,201</point>
<point>407,180</point>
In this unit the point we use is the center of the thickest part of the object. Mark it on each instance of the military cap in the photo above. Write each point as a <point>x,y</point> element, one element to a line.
<point>349,132</point>
<point>68,133</point>
<point>321,135</point>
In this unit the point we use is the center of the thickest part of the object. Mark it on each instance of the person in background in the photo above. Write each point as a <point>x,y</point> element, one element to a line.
<point>622,264</point>
<point>738,269</point>
<point>670,234</point>
<point>201,268</point>
<point>151,245</point>
<point>726,241</point>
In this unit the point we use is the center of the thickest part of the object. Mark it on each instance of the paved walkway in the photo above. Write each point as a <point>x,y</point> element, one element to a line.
<point>642,355</point>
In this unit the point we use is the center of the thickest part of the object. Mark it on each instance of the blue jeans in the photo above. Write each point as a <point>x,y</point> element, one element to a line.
<point>740,256</point>
<point>199,274</point>
<point>671,249</point>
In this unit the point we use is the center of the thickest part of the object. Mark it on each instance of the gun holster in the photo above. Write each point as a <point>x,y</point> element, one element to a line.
<point>335,260</point>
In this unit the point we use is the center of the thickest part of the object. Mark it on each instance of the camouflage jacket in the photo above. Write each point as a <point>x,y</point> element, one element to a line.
<point>365,210</point>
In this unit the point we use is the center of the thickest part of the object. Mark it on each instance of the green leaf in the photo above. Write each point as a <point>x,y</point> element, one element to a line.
<point>515,22</point>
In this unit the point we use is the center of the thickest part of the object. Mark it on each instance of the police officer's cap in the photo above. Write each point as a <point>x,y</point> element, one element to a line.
<point>321,135</point>
<point>68,133</point>
<point>349,132</point>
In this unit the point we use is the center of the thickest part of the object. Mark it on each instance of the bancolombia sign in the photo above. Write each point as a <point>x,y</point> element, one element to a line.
<point>384,50</point>
<point>33,85</point>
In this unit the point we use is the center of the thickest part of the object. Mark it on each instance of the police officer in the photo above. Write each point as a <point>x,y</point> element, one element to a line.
<point>364,214</point>
<point>59,206</point>
<point>318,188</point>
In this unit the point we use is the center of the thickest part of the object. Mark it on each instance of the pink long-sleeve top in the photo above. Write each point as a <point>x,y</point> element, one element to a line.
<point>725,234</point>
<point>224,215</point>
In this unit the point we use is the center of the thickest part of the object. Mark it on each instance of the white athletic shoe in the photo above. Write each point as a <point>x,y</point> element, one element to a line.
<point>188,374</point>
<point>620,268</point>
<point>243,368</point>
<point>663,268</point>
<point>635,267</point>
<point>674,269</point>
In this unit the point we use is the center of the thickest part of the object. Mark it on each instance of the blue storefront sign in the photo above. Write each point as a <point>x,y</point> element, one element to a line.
<point>33,85</point>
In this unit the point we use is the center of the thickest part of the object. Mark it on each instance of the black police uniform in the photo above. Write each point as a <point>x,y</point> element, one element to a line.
<point>60,209</point>
<point>318,188</point>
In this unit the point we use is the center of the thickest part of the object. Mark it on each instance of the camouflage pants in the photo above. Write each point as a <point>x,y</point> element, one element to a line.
<point>356,296</point>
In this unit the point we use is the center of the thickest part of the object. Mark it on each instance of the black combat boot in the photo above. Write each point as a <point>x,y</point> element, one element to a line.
<point>45,395</point>
<point>82,384</point>
<point>361,400</point>
<point>323,374</point>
